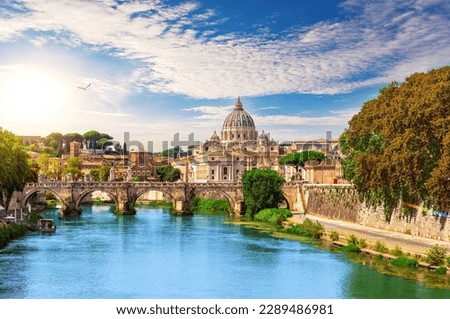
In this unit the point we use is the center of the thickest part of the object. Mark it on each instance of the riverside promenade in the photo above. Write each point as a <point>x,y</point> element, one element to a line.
<point>408,243</point>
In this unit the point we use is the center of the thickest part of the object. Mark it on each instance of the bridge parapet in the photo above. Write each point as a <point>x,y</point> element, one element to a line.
<point>125,194</point>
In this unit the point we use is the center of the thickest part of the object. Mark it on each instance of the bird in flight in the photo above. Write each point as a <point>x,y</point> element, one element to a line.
<point>84,87</point>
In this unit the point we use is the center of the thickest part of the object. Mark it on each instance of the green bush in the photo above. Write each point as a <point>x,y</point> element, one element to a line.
<point>211,205</point>
<point>448,261</point>
<point>274,216</point>
<point>441,270</point>
<point>397,251</point>
<point>334,235</point>
<point>352,248</point>
<point>314,229</point>
<point>380,247</point>
<point>352,239</point>
<point>362,243</point>
<point>12,232</point>
<point>403,261</point>
<point>307,229</point>
<point>436,256</point>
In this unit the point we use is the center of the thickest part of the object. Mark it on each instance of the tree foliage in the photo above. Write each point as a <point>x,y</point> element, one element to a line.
<point>73,167</point>
<point>15,169</point>
<point>299,159</point>
<point>262,189</point>
<point>398,145</point>
<point>168,173</point>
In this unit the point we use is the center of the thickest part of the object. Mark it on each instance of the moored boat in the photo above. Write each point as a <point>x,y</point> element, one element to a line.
<point>44,226</point>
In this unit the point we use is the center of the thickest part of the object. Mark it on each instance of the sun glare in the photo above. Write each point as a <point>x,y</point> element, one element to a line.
<point>31,96</point>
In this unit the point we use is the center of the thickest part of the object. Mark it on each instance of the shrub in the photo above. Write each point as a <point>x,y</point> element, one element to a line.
<point>441,270</point>
<point>314,229</point>
<point>352,239</point>
<point>436,256</point>
<point>274,216</point>
<point>380,247</point>
<point>397,251</point>
<point>307,229</point>
<point>12,232</point>
<point>403,261</point>
<point>362,243</point>
<point>211,205</point>
<point>334,235</point>
<point>379,257</point>
<point>448,261</point>
<point>352,248</point>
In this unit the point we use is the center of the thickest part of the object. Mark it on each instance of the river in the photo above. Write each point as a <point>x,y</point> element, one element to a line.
<point>154,254</point>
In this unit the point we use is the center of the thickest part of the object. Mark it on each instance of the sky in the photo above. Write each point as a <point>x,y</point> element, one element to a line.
<point>161,67</point>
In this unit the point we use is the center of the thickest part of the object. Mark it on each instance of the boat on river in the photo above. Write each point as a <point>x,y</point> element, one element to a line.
<point>44,226</point>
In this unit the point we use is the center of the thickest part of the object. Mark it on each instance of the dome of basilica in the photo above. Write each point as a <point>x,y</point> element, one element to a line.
<point>238,118</point>
<point>238,125</point>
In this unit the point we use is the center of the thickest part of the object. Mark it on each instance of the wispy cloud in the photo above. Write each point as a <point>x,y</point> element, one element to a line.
<point>269,108</point>
<point>104,113</point>
<point>378,42</point>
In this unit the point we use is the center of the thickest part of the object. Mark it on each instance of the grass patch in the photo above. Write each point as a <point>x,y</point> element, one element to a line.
<point>351,248</point>
<point>212,206</point>
<point>403,261</point>
<point>274,216</point>
<point>155,203</point>
<point>307,229</point>
<point>441,270</point>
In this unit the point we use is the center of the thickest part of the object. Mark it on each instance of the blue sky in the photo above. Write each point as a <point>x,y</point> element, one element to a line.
<point>162,67</point>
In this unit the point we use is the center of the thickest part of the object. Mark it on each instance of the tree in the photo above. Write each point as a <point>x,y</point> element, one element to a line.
<point>102,173</point>
<point>43,162</point>
<point>298,160</point>
<point>73,167</point>
<point>262,189</point>
<point>92,136</point>
<point>55,143</point>
<point>15,169</point>
<point>398,146</point>
<point>168,173</point>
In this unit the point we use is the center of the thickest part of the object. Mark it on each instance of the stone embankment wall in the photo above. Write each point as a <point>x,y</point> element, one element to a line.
<point>342,203</point>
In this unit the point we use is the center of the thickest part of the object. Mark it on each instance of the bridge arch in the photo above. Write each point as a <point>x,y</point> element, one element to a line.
<point>199,192</point>
<point>141,192</point>
<point>289,203</point>
<point>26,196</point>
<point>83,194</point>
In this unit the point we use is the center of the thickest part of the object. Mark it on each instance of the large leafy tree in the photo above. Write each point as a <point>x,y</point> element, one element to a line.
<point>168,173</point>
<point>73,167</point>
<point>398,145</point>
<point>15,169</point>
<point>299,159</point>
<point>262,189</point>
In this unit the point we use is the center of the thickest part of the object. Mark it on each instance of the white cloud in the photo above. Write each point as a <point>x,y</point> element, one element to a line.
<point>380,42</point>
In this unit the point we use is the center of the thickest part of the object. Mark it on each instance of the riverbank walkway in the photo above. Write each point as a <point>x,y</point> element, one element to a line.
<point>408,243</point>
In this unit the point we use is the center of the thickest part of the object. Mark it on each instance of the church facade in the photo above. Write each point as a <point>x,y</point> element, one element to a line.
<point>239,148</point>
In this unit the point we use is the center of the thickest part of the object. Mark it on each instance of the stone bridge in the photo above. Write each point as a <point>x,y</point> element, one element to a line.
<point>125,194</point>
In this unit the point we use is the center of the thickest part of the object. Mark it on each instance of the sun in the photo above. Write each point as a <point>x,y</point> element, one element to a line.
<point>31,95</point>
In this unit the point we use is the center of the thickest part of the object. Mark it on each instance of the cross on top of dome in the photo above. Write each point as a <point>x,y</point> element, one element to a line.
<point>238,105</point>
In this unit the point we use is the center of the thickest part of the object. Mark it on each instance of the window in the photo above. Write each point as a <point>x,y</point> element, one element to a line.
<point>225,170</point>
<point>212,172</point>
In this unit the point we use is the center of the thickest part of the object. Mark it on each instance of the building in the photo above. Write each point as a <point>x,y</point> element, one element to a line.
<point>239,148</point>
